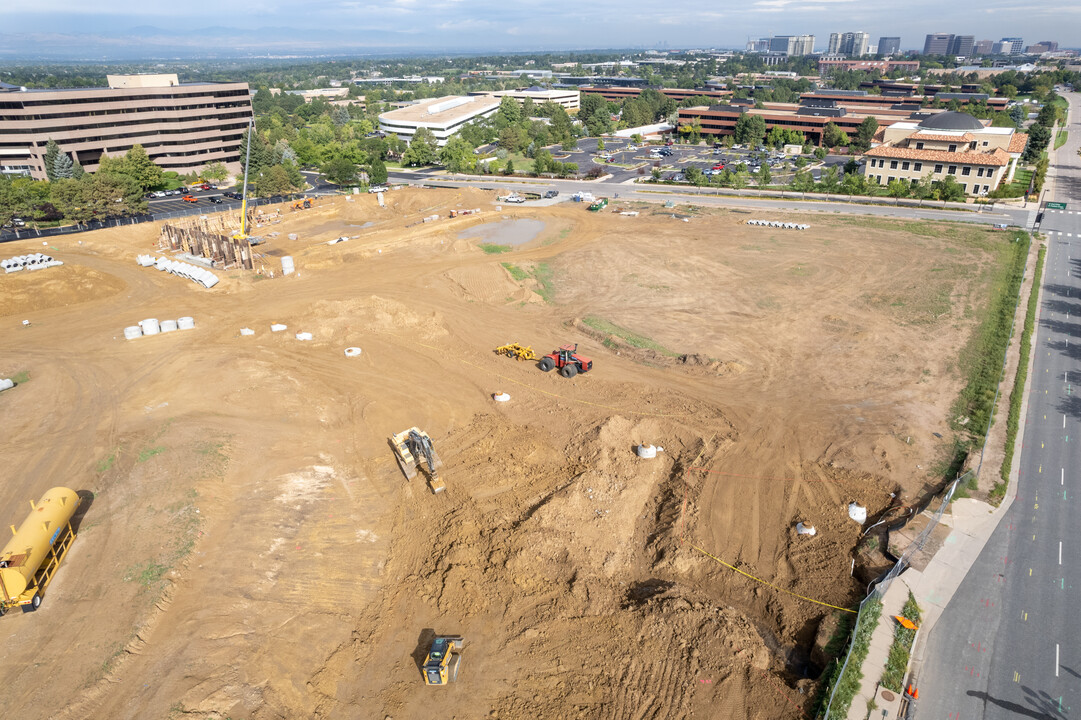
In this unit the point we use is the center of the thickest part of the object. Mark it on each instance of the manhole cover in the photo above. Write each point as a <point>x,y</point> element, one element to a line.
<point>888,696</point>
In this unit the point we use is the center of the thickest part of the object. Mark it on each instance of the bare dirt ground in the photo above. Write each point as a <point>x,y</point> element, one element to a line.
<point>252,550</point>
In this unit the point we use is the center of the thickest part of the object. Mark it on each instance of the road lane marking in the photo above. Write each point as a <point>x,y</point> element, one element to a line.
<point>1056,659</point>
<point>1064,420</point>
<point>1059,552</point>
<point>1024,616</point>
<point>1016,676</point>
<point>1062,478</point>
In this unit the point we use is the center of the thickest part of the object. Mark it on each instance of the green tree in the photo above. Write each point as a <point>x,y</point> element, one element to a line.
<point>69,196</point>
<point>272,181</point>
<point>864,134</point>
<point>377,172</point>
<point>62,167</point>
<point>216,172</point>
<point>340,171</point>
<point>833,136</point>
<point>693,174</point>
<point>510,138</point>
<point>740,178</point>
<point>750,129</point>
<point>340,115</point>
<point>51,152</point>
<point>820,153</point>
<point>763,175</point>
<point>898,188</point>
<point>422,148</point>
<point>141,168</point>
<point>509,169</point>
<point>115,194</point>
<point>829,181</point>
<point>510,111</point>
<point>600,145</point>
<point>456,156</point>
<point>802,181</point>
<point>948,189</point>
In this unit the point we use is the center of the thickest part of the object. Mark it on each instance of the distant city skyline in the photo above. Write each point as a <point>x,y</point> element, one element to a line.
<point>65,27</point>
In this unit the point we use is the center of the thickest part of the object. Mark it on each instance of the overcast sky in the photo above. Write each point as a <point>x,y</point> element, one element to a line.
<point>506,25</point>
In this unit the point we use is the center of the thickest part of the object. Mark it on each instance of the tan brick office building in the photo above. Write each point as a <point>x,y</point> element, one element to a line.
<point>182,126</point>
<point>948,143</point>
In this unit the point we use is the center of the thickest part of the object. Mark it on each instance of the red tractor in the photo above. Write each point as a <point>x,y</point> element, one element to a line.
<point>567,359</point>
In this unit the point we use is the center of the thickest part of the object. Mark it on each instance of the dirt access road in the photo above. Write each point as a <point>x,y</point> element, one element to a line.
<point>249,548</point>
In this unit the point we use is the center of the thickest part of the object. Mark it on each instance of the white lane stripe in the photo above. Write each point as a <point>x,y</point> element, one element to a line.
<point>1062,477</point>
<point>1064,420</point>
<point>1056,659</point>
<point>1059,552</point>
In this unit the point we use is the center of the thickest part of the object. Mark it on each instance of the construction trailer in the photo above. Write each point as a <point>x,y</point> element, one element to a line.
<point>31,558</point>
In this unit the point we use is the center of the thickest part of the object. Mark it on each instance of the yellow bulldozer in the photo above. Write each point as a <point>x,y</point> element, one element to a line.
<point>516,351</point>
<point>443,660</point>
<point>413,446</point>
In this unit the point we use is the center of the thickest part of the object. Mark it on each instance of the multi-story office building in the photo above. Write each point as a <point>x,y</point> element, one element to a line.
<point>1016,44</point>
<point>889,45</point>
<point>444,116</point>
<point>983,47</point>
<point>792,45</point>
<point>938,44</point>
<point>853,44</point>
<point>182,126</point>
<point>1042,47</point>
<point>962,45</point>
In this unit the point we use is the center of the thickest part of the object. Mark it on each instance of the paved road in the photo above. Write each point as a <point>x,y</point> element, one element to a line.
<point>1008,644</point>
<point>683,194</point>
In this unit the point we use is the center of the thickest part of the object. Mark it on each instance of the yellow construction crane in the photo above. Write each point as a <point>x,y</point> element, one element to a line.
<point>516,351</point>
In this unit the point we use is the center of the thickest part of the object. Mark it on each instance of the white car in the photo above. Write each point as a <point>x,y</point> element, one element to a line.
<point>377,188</point>
<point>517,199</point>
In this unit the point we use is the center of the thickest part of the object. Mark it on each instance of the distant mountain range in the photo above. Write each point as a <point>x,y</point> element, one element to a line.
<point>148,41</point>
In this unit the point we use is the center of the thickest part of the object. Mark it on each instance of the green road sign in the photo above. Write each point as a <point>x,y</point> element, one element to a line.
<point>1056,206</point>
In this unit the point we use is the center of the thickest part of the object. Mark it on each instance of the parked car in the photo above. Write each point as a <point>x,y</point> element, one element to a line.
<point>516,199</point>
<point>377,188</point>
<point>216,200</point>
<point>191,199</point>
<point>551,193</point>
<point>204,186</point>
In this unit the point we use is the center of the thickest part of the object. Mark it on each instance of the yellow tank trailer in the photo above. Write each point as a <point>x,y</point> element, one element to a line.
<point>30,559</point>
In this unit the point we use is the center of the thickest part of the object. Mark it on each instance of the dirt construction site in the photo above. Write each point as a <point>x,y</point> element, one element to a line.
<point>249,548</point>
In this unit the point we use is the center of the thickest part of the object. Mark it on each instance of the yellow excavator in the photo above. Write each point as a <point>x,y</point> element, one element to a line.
<point>413,446</point>
<point>444,659</point>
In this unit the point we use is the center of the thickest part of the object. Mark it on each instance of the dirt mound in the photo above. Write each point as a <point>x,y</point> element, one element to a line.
<point>343,319</point>
<point>69,284</point>
<point>488,283</point>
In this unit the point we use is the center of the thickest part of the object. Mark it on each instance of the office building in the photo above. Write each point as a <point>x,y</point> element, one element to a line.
<point>792,45</point>
<point>983,47</point>
<point>444,116</point>
<point>825,65</point>
<point>889,45</point>
<point>947,143</point>
<point>852,44</point>
<point>569,99</point>
<point>1042,47</point>
<point>962,45</point>
<point>182,126</point>
<point>937,44</point>
<point>1015,45</point>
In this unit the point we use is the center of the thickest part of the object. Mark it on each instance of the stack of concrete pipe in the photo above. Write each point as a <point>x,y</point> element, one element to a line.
<point>33,261</point>
<point>151,326</point>
<point>776,224</point>
<point>192,272</point>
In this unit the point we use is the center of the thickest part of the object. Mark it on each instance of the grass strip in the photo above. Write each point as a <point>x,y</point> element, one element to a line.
<point>897,661</point>
<point>848,682</point>
<point>1014,418</point>
<point>631,338</point>
<point>515,272</point>
<point>493,249</point>
<point>1060,139</point>
<point>983,356</point>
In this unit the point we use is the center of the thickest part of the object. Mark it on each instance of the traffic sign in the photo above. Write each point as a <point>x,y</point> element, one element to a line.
<point>1056,206</point>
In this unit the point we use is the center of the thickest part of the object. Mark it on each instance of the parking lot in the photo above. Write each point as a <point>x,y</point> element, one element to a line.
<point>703,157</point>
<point>176,203</point>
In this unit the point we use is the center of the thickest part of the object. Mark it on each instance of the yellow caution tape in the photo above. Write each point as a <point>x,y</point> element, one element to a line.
<point>764,582</point>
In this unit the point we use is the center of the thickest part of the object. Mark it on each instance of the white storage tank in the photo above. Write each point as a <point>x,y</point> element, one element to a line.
<point>287,265</point>
<point>185,323</point>
<point>150,326</point>
<point>132,332</point>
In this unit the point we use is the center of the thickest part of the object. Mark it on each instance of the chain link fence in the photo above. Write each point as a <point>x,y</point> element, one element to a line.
<point>31,233</point>
<point>881,585</point>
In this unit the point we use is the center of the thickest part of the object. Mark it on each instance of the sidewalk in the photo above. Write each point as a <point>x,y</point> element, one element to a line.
<point>881,640</point>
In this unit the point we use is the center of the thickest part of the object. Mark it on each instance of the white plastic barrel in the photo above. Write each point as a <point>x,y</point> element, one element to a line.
<point>287,265</point>
<point>168,325</point>
<point>185,323</point>
<point>150,326</point>
<point>501,397</point>
<point>352,351</point>
<point>6,383</point>
<point>132,332</point>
